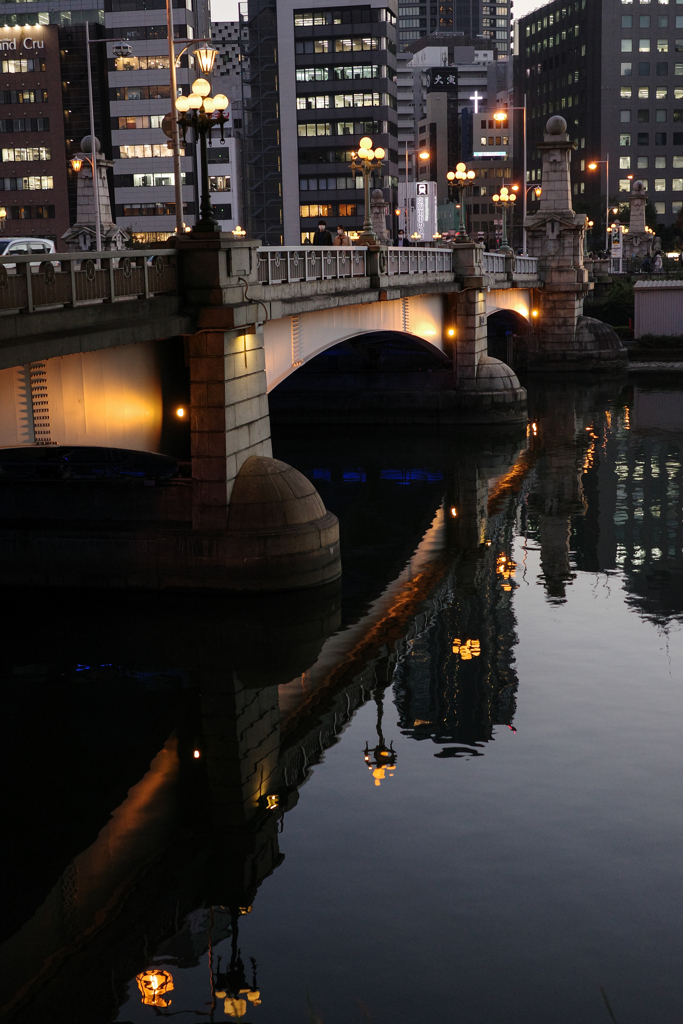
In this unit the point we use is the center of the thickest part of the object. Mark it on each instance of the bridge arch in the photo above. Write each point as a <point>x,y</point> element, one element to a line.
<point>294,340</point>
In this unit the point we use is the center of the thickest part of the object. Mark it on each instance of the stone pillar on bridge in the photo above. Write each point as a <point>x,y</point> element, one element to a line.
<point>491,382</point>
<point>565,339</point>
<point>277,533</point>
<point>637,241</point>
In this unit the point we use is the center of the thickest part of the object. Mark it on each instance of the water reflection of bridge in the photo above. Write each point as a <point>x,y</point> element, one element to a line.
<point>261,691</point>
<point>255,712</point>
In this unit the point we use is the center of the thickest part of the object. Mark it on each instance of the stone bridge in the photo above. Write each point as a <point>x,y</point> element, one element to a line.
<point>124,351</point>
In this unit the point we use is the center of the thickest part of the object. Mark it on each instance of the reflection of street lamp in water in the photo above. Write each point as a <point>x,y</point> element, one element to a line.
<point>382,758</point>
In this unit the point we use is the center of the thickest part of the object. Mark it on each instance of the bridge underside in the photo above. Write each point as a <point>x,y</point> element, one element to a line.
<point>294,340</point>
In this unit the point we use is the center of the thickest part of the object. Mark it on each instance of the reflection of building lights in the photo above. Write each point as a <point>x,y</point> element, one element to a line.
<point>272,802</point>
<point>196,754</point>
<point>506,568</point>
<point>467,649</point>
<point>534,429</point>
<point>154,987</point>
<point>454,512</point>
<point>627,418</point>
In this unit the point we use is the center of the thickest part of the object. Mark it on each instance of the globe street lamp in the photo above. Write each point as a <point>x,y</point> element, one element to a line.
<point>459,179</point>
<point>504,200</point>
<point>366,160</point>
<point>203,112</point>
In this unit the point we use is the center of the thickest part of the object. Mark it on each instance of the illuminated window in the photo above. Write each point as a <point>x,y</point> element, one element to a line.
<point>21,153</point>
<point>141,63</point>
<point>660,184</point>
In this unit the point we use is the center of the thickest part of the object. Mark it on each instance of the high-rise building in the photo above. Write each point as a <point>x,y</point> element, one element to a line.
<point>139,98</point>
<point>612,70</point>
<point>225,158</point>
<point>457,17</point>
<point>33,177</point>
<point>131,97</point>
<point>318,81</point>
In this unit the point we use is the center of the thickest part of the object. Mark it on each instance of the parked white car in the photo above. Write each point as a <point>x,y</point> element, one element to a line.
<point>25,247</point>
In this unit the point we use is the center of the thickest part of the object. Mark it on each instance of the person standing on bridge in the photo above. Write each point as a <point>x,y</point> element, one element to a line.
<point>322,236</point>
<point>341,238</point>
<point>402,240</point>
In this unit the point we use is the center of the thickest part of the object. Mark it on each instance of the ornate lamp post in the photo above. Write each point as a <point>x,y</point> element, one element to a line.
<point>504,200</point>
<point>366,160</point>
<point>203,112</point>
<point>459,179</point>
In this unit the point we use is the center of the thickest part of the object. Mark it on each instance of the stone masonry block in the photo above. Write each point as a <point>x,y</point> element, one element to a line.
<point>208,469</point>
<point>236,440</point>
<point>242,388</point>
<point>247,411</point>
<point>207,419</point>
<point>207,444</point>
<point>259,430</point>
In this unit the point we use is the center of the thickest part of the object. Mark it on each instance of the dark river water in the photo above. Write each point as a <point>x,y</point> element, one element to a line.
<point>448,789</point>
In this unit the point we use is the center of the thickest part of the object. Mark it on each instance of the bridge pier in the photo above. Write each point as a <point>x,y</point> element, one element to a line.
<point>229,418</point>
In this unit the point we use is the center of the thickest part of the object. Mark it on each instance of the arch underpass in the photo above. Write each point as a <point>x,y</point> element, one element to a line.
<point>292,341</point>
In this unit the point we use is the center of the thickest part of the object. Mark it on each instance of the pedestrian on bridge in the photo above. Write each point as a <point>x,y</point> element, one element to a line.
<point>403,241</point>
<point>322,236</point>
<point>341,238</point>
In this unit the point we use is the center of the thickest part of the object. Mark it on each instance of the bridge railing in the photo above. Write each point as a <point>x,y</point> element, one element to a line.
<point>418,261</point>
<point>526,265</point>
<point>80,279</point>
<point>294,264</point>
<point>494,262</point>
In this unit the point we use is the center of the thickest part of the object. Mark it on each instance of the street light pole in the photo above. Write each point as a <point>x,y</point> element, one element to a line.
<point>177,175</point>
<point>93,147</point>
<point>592,166</point>
<point>203,113</point>
<point>501,115</point>
<point>367,160</point>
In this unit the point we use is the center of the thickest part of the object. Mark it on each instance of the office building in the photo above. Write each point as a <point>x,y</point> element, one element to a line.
<point>225,159</point>
<point>467,18</point>
<point>33,176</point>
<point>139,98</point>
<point>131,97</point>
<point>614,71</point>
<point>319,80</point>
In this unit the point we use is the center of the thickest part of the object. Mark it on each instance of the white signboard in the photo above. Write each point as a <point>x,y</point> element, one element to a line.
<point>418,204</point>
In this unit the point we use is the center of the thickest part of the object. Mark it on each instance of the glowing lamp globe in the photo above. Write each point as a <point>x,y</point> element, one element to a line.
<point>451,175</point>
<point>496,199</point>
<point>182,104</point>
<point>371,154</point>
<point>363,153</point>
<point>201,87</point>
<point>221,101</point>
<point>365,143</point>
<point>209,105</point>
<point>194,102</point>
<point>380,153</point>
<point>460,167</point>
